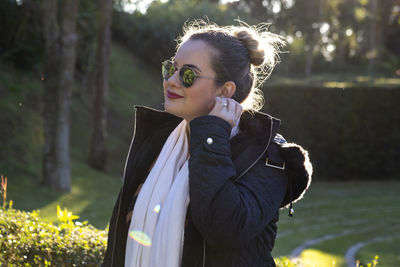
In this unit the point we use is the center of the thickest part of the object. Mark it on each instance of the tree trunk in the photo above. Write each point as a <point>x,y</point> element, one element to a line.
<point>372,39</point>
<point>60,41</point>
<point>314,37</point>
<point>98,153</point>
<point>309,60</point>
<point>341,48</point>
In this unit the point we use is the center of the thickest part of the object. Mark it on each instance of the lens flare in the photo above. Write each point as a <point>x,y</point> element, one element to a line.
<point>157,208</point>
<point>140,237</point>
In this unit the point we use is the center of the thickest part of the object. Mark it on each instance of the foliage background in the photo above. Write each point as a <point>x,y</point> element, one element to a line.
<point>336,92</point>
<point>344,90</point>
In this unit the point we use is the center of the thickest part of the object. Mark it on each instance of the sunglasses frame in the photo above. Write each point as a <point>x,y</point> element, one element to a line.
<point>182,73</point>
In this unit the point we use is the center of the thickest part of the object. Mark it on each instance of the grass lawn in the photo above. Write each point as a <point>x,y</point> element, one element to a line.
<point>92,196</point>
<point>331,218</point>
<point>335,216</point>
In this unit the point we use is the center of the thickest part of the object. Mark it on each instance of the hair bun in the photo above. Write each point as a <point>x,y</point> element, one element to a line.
<point>256,53</point>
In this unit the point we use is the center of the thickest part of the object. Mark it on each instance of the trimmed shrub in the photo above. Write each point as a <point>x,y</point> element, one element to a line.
<point>26,240</point>
<point>285,262</point>
<point>351,134</point>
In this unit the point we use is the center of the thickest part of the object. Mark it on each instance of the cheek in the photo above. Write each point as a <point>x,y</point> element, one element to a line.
<point>202,98</point>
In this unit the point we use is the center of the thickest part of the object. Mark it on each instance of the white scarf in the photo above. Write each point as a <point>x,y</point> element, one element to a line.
<point>156,232</point>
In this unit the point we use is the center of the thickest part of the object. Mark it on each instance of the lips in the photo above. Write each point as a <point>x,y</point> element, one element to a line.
<point>173,96</point>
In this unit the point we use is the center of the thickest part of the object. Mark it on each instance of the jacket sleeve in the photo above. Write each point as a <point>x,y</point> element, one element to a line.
<point>228,214</point>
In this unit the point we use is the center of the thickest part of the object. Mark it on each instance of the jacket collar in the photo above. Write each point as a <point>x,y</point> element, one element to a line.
<point>256,131</point>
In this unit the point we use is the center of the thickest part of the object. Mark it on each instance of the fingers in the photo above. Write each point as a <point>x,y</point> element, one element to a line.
<point>233,107</point>
<point>221,104</point>
<point>225,103</point>
<point>228,109</point>
<point>238,109</point>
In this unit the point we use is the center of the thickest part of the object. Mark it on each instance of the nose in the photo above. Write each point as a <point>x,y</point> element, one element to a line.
<point>173,81</point>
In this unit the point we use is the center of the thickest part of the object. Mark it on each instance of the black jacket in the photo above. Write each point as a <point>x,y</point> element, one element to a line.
<point>236,187</point>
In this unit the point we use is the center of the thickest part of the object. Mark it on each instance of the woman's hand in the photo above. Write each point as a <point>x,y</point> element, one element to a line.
<point>227,109</point>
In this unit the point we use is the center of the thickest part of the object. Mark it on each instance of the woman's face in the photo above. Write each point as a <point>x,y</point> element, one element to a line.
<point>193,101</point>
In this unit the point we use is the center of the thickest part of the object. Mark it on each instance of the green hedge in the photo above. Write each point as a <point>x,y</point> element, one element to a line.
<point>26,240</point>
<point>350,133</point>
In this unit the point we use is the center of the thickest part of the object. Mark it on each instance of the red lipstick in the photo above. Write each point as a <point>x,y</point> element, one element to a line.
<point>173,96</point>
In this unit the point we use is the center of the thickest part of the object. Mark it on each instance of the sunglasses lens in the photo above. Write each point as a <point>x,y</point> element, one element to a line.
<point>167,69</point>
<point>187,76</point>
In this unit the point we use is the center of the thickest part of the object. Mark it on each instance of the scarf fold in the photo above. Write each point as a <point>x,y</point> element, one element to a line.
<point>156,231</point>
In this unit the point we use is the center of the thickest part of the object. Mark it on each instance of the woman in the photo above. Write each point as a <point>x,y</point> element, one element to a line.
<point>204,180</point>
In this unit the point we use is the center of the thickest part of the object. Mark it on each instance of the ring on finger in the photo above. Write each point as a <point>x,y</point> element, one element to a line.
<point>225,104</point>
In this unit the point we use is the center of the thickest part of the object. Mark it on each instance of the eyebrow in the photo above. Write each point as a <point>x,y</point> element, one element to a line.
<point>193,66</point>
<point>187,65</point>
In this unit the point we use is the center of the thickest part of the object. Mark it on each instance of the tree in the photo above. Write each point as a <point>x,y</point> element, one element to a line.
<point>98,153</point>
<point>380,16</point>
<point>372,38</point>
<point>59,30</point>
<point>307,18</point>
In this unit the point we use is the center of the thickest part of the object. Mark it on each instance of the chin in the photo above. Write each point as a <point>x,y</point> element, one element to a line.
<point>172,109</point>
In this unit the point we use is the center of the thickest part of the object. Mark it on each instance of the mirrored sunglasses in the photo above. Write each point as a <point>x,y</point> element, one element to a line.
<point>187,75</point>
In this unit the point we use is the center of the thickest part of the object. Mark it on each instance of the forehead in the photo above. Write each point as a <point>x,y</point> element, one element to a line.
<point>196,53</point>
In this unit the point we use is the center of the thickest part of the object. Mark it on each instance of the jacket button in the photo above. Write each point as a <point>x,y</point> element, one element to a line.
<point>209,140</point>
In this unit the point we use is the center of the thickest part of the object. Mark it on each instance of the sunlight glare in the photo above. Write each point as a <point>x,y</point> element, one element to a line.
<point>228,1</point>
<point>324,28</point>
<point>276,7</point>
<point>349,32</point>
<point>140,237</point>
<point>289,39</point>
<point>157,208</point>
<point>313,257</point>
<point>141,6</point>
<point>330,48</point>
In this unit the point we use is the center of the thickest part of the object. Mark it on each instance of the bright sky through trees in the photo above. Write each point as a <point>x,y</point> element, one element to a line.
<point>140,5</point>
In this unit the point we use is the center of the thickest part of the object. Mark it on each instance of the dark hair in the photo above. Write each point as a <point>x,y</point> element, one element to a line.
<point>245,55</point>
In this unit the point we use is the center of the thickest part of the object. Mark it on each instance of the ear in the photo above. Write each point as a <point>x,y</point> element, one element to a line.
<point>228,89</point>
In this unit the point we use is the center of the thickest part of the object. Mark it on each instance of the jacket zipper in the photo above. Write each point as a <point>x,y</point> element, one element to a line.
<point>258,158</point>
<point>122,189</point>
